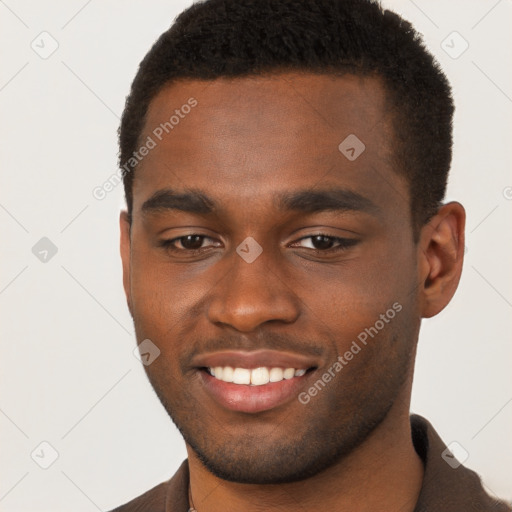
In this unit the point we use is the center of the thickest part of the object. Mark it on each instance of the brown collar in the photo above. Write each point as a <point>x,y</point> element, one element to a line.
<point>444,488</point>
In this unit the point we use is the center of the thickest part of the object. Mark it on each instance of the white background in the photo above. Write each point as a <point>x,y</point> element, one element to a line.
<point>68,375</point>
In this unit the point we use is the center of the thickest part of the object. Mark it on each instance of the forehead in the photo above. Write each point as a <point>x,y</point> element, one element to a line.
<point>253,136</point>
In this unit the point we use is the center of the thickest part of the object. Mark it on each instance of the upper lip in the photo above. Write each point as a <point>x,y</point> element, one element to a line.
<point>254,359</point>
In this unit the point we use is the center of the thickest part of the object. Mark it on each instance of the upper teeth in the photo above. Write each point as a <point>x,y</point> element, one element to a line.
<point>256,377</point>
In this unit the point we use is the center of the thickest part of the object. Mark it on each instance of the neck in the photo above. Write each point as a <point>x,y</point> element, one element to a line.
<point>383,473</point>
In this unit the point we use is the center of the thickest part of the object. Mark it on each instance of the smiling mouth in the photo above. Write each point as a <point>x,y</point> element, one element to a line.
<point>254,390</point>
<point>255,376</point>
<point>253,381</point>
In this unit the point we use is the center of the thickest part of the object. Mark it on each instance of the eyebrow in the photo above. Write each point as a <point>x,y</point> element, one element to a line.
<point>304,201</point>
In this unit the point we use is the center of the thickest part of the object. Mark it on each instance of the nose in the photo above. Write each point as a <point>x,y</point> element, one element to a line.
<point>251,294</point>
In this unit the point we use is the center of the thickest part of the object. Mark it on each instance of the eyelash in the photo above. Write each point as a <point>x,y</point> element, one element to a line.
<point>345,243</point>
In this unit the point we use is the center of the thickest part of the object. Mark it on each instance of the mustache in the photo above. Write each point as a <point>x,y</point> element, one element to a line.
<point>268,341</point>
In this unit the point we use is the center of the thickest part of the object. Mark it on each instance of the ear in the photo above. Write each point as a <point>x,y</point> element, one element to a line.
<point>125,246</point>
<point>440,258</point>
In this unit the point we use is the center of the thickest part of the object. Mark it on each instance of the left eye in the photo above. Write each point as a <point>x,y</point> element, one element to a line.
<point>324,243</point>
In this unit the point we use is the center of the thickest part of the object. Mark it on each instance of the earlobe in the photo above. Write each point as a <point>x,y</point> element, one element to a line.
<point>125,249</point>
<point>440,258</point>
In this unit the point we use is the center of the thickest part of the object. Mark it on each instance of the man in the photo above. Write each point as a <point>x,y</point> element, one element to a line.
<point>285,163</point>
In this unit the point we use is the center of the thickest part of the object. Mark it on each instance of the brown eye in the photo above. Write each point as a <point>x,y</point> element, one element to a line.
<point>188,244</point>
<point>191,242</point>
<point>326,243</point>
<point>322,242</point>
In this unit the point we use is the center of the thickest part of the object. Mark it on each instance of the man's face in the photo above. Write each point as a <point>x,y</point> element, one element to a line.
<point>325,278</point>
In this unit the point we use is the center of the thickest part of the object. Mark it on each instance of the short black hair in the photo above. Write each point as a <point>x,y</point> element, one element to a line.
<point>237,38</point>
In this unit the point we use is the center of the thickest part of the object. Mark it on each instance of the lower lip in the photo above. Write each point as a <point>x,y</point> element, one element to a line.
<point>252,399</point>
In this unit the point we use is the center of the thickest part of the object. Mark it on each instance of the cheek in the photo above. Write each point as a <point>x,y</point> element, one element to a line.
<point>155,284</point>
<point>356,294</point>
<point>151,295</point>
<point>366,310</point>
<point>167,300</point>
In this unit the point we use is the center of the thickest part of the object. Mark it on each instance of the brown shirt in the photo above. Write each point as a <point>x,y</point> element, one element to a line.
<point>444,489</point>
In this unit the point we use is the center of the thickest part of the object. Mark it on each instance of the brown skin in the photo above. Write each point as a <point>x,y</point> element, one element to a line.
<point>350,447</point>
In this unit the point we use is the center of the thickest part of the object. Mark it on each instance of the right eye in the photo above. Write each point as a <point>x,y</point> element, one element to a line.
<point>190,244</point>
